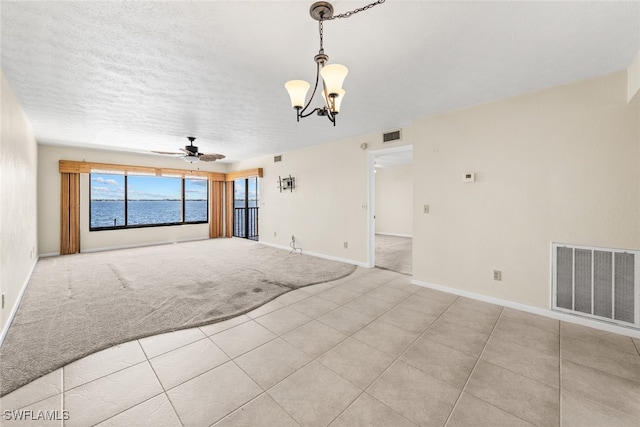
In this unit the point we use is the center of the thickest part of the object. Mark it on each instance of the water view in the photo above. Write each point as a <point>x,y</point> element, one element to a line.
<point>110,213</point>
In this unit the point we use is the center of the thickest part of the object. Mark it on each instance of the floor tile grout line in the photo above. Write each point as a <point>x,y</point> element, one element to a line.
<point>347,336</point>
<point>174,349</point>
<point>637,382</point>
<point>602,405</point>
<point>474,368</point>
<point>106,375</point>
<point>164,390</point>
<point>455,404</point>
<point>559,375</point>
<point>131,407</point>
<point>253,399</point>
<point>285,340</point>
<point>396,358</point>
<point>63,395</point>
<point>592,342</point>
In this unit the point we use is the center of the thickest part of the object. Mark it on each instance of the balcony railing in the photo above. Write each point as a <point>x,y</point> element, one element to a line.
<point>245,223</point>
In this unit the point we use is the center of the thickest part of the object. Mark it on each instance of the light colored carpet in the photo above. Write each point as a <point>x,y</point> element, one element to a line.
<point>76,305</point>
<point>394,253</point>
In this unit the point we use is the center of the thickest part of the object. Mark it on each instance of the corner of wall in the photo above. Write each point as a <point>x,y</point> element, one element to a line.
<point>633,79</point>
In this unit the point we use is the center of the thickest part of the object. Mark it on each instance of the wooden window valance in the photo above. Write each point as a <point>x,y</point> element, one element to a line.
<point>71,166</point>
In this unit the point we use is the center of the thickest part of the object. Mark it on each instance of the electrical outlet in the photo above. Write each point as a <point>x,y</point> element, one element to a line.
<point>425,208</point>
<point>497,275</point>
<point>346,245</point>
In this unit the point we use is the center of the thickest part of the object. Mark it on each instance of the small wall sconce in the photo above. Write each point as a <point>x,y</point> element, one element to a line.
<point>286,183</point>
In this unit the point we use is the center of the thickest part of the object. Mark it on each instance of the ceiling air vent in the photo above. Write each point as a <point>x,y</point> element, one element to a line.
<point>391,136</point>
<point>277,158</point>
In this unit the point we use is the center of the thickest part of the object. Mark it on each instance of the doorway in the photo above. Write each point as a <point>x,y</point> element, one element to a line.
<point>391,213</point>
<point>245,208</point>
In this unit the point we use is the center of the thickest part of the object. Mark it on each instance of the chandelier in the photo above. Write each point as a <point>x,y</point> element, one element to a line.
<point>333,75</point>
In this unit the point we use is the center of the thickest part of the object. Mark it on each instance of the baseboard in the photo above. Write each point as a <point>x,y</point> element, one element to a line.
<point>49,254</point>
<point>319,255</point>
<point>395,234</point>
<point>141,245</point>
<point>14,309</point>
<point>565,317</point>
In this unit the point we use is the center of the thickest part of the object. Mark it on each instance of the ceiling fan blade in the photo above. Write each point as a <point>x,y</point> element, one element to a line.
<point>167,153</point>
<point>186,151</point>
<point>211,157</point>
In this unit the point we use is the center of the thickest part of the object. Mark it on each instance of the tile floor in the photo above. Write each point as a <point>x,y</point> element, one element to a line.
<point>370,349</point>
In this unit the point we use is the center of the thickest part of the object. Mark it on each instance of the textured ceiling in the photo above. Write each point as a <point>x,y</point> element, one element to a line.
<point>142,76</point>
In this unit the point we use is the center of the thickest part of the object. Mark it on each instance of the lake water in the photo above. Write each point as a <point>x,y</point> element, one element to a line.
<point>107,213</point>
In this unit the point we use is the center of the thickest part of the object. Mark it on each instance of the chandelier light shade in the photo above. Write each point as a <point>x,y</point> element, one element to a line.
<point>297,91</point>
<point>336,101</point>
<point>332,75</point>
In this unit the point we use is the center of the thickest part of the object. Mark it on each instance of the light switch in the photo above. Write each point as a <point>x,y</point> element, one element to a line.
<point>426,209</point>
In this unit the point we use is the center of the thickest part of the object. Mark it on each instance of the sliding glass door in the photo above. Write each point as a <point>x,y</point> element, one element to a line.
<point>245,212</point>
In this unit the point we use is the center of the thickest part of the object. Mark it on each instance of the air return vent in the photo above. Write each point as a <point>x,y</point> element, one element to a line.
<point>599,283</point>
<point>277,158</point>
<point>391,136</point>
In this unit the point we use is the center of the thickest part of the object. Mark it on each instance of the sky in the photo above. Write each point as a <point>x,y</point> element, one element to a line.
<point>240,189</point>
<point>111,187</point>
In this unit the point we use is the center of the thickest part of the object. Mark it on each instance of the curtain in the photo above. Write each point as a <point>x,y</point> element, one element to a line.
<point>69,213</point>
<point>215,213</point>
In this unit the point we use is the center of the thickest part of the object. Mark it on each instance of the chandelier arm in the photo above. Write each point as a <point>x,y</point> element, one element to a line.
<point>332,117</point>
<point>315,88</point>
<point>309,113</point>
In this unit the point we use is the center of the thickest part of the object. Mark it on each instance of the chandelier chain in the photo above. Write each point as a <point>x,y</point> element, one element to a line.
<point>353,12</point>
<point>321,33</point>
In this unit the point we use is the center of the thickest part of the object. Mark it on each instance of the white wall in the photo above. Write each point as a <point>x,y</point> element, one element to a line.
<point>18,190</point>
<point>329,205</point>
<point>394,200</point>
<point>49,200</point>
<point>561,165</point>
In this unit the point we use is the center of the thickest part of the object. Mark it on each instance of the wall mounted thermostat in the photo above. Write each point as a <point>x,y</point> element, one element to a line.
<point>469,177</point>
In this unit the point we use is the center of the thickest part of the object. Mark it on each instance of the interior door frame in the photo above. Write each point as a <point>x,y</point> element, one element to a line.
<point>371,222</point>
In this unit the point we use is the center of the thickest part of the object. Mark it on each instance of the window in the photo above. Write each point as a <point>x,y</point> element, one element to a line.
<point>107,200</point>
<point>153,200</point>
<point>130,201</point>
<point>195,200</point>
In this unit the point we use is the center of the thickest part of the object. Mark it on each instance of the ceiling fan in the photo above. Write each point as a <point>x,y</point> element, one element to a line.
<point>191,154</point>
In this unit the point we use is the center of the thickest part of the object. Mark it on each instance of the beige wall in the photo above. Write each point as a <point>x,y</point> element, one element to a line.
<point>330,204</point>
<point>18,215</point>
<point>394,200</point>
<point>633,78</point>
<point>561,165</point>
<point>49,200</point>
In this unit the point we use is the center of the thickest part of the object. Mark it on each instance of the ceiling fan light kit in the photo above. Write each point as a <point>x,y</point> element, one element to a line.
<point>333,75</point>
